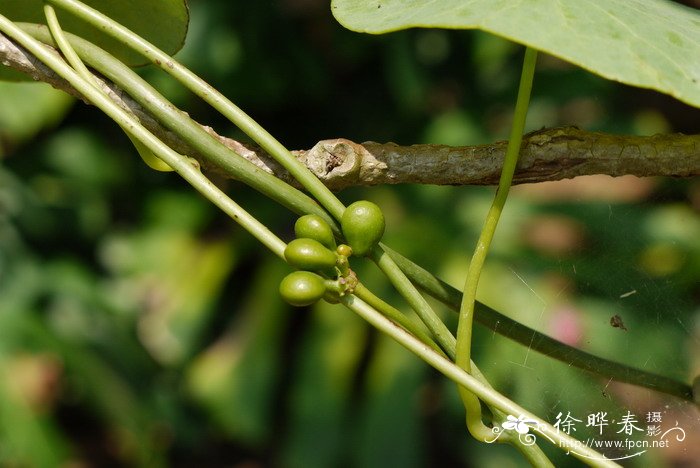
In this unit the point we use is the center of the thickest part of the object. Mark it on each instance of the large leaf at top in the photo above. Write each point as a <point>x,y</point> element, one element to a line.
<point>162,22</point>
<point>647,43</point>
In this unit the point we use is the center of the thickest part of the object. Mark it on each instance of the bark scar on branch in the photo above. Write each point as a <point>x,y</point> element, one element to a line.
<point>547,154</point>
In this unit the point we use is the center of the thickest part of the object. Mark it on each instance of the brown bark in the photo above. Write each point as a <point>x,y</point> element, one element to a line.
<point>548,154</point>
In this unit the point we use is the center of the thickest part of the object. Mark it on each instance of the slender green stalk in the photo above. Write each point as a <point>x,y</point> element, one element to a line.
<point>213,97</point>
<point>537,458</point>
<point>395,315</point>
<point>532,452</point>
<point>466,314</point>
<point>180,123</point>
<point>440,332</point>
<point>469,382</point>
<point>63,44</point>
<point>178,162</point>
<point>536,341</point>
<point>74,60</point>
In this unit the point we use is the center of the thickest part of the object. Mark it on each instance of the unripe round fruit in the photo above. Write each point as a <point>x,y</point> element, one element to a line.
<point>344,250</point>
<point>302,288</point>
<point>309,254</point>
<point>363,226</point>
<point>314,227</point>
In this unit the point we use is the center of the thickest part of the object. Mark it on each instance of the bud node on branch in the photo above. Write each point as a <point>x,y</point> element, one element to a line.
<point>547,154</point>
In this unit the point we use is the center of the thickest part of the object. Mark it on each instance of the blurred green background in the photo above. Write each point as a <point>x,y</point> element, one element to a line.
<point>141,327</point>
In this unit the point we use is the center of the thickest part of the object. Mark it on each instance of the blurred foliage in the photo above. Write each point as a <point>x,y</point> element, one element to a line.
<point>140,327</point>
<point>161,22</point>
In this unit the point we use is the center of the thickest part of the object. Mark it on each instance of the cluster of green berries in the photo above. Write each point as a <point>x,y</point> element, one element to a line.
<point>323,270</point>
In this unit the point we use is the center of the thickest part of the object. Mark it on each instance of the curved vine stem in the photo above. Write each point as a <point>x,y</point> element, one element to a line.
<point>437,327</point>
<point>213,97</point>
<point>466,312</point>
<point>74,60</point>
<point>396,316</point>
<point>472,384</point>
<point>531,452</point>
<point>537,341</point>
<point>63,44</point>
<point>177,121</point>
<point>178,162</point>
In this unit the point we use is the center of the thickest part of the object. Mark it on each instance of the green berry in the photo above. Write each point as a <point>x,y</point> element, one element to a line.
<point>363,226</point>
<point>302,288</point>
<point>344,250</point>
<point>314,227</point>
<point>309,254</point>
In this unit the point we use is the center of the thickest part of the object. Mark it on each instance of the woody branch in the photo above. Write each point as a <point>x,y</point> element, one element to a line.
<point>548,154</point>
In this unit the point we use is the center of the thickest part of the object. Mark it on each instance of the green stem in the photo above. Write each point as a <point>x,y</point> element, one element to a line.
<point>539,342</point>
<point>64,46</point>
<point>178,162</point>
<point>437,328</point>
<point>466,313</point>
<point>74,60</point>
<point>213,97</point>
<point>537,458</point>
<point>179,122</point>
<point>395,316</point>
<point>471,383</point>
<point>532,452</point>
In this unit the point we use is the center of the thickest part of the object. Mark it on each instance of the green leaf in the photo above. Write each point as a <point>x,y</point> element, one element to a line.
<point>162,22</point>
<point>646,43</point>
